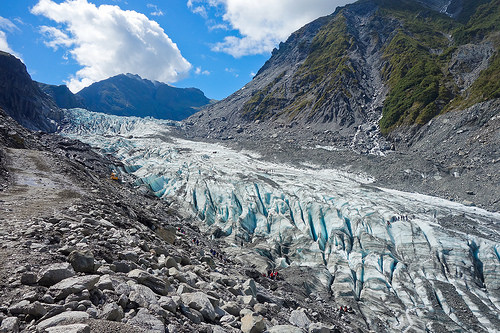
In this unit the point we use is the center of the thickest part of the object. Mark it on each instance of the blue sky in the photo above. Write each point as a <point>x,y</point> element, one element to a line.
<point>214,45</point>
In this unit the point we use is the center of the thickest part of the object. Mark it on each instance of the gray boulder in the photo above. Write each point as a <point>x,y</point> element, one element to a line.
<point>82,261</point>
<point>147,321</point>
<point>249,288</point>
<point>10,325</point>
<point>167,234</point>
<point>200,302</point>
<point>195,316</point>
<point>142,296</point>
<point>285,329</point>
<point>55,273</point>
<point>74,328</point>
<point>73,285</point>
<point>299,318</point>
<point>70,317</point>
<point>168,304</point>
<point>320,328</point>
<point>112,311</point>
<point>232,308</point>
<point>156,284</point>
<point>36,309</point>
<point>170,262</point>
<point>105,283</point>
<point>29,278</point>
<point>253,323</point>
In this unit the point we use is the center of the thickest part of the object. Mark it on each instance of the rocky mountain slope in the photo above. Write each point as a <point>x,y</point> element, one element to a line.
<point>411,91</point>
<point>371,69</point>
<point>22,99</point>
<point>130,95</point>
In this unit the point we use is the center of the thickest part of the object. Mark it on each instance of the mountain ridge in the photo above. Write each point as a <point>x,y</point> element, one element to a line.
<point>389,70</point>
<point>130,95</point>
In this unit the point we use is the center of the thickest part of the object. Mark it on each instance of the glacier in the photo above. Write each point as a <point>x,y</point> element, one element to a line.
<point>406,262</point>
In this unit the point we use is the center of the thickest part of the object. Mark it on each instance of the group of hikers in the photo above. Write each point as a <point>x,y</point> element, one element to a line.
<point>397,218</point>
<point>345,309</point>
<point>214,253</point>
<point>273,275</point>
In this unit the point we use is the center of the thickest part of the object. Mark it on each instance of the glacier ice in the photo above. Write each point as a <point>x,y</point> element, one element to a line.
<point>437,265</point>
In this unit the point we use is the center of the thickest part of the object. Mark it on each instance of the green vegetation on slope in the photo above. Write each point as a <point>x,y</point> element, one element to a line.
<point>325,66</point>
<point>417,57</point>
<point>484,24</point>
<point>485,21</point>
<point>263,101</point>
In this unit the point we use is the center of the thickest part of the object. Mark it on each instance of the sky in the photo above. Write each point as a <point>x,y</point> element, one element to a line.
<point>214,45</point>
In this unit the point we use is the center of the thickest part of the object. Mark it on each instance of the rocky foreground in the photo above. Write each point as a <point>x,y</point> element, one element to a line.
<point>82,253</point>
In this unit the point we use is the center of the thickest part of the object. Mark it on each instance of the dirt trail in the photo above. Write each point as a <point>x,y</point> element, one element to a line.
<point>37,190</point>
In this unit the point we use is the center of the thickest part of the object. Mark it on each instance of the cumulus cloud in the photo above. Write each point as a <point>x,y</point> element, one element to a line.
<point>7,25</point>
<point>107,41</point>
<point>262,24</point>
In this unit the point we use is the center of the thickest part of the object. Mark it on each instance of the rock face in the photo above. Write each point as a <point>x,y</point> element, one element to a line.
<point>345,81</point>
<point>130,95</point>
<point>22,99</point>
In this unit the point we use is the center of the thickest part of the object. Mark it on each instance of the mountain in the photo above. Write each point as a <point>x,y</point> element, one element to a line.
<point>62,96</point>
<point>22,99</point>
<point>369,72</point>
<point>130,95</point>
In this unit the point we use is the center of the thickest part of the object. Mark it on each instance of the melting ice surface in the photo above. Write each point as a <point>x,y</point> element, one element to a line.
<point>439,270</point>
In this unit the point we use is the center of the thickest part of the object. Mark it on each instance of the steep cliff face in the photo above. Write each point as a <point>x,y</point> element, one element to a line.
<point>22,99</point>
<point>130,95</point>
<point>365,72</point>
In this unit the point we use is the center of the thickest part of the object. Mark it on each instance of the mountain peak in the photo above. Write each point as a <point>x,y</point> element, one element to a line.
<point>131,95</point>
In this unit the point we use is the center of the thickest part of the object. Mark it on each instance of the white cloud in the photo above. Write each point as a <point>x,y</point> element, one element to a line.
<point>199,71</point>
<point>7,25</point>
<point>157,11</point>
<point>56,37</point>
<point>262,24</point>
<point>107,41</point>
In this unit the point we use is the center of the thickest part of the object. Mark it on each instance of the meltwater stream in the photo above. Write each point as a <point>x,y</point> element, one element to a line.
<point>435,266</point>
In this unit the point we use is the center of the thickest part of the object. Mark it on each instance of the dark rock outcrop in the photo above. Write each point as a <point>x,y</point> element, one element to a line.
<point>22,99</point>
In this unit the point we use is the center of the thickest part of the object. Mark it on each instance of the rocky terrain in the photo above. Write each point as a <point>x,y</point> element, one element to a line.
<point>83,253</point>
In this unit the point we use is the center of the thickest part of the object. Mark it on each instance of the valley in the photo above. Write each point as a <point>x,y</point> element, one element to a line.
<point>363,243</point>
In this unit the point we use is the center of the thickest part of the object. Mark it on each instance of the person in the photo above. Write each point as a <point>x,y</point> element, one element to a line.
<point>388,223</point>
